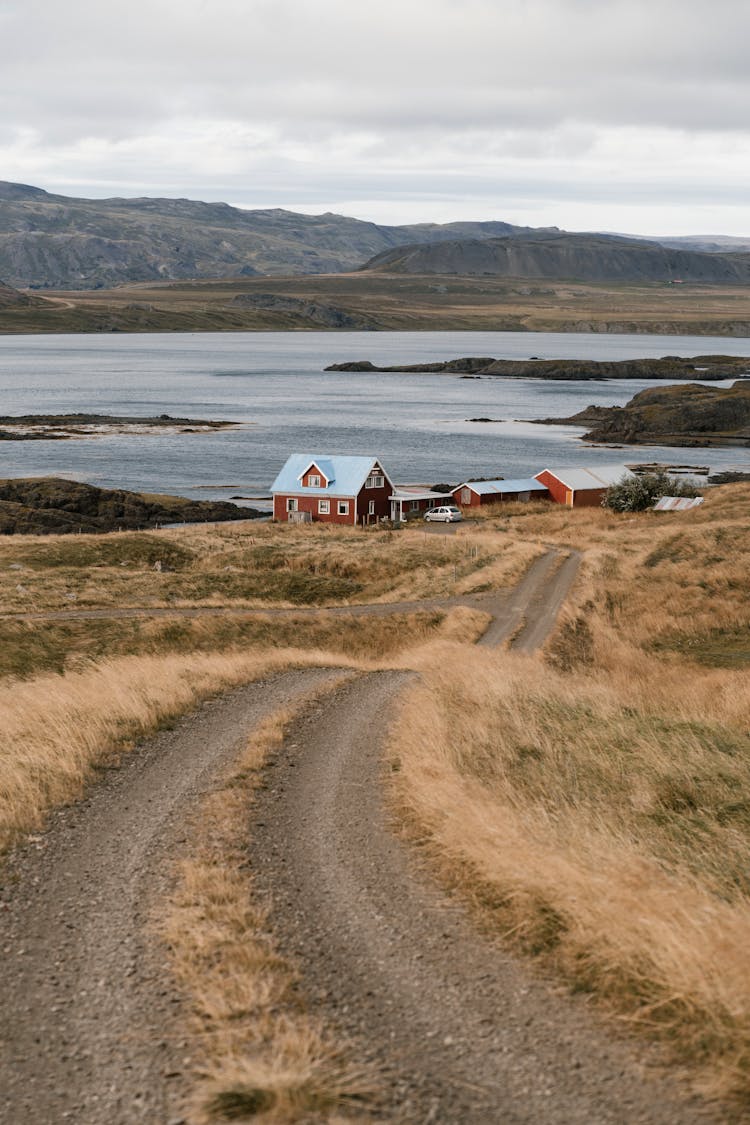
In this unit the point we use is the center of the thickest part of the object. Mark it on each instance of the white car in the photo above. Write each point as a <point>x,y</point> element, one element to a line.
<point>447,513</point>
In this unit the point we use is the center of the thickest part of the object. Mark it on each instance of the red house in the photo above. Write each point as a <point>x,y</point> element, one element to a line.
<point>581,488</point>
<point>331,489</point>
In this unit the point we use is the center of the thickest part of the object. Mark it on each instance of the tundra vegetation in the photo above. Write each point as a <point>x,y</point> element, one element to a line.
<point>592,801</point>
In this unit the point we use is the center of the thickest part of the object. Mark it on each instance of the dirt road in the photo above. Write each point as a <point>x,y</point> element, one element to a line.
<point>87,1032</point>
<point>459,1031</point>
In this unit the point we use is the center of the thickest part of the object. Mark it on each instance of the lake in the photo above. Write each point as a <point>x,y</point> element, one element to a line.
<point>275,385</point>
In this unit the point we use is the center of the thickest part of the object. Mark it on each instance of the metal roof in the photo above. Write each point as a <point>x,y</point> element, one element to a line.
<point>602,476</point>
<point>677,503</point>
<point>486,487</point>
<point>407,492</point>
<point>346,475</point>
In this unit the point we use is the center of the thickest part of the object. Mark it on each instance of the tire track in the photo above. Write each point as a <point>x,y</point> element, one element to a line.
<point>458,1030</point>
<point>88,1029</point>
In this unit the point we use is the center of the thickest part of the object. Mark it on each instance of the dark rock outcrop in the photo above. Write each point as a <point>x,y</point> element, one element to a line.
<point>691,415</point>
<point>304,313</point>
<point>49,505</point>
<point>706,367</point>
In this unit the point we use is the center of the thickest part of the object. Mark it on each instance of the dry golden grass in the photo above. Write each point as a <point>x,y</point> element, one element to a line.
<point>30,648</point>
<point>247,564</point>
<point>56,729</point>
<point>262,1055</point>
<point>595,802</point>
<point>601,827</point>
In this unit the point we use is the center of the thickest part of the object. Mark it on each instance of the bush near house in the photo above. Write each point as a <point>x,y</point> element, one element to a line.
<point>636,493</point>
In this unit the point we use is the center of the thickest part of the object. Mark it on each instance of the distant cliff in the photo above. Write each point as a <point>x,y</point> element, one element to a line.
<point>559,256</point>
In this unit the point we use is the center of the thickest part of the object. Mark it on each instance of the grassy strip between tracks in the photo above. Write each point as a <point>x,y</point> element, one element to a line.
<point>263,1056</point>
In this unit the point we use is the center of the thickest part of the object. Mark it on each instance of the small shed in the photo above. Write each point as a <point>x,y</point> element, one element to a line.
<point>474,493</point>
<point>409,502</point>
<point>331,489</point>
<point>582,488</point>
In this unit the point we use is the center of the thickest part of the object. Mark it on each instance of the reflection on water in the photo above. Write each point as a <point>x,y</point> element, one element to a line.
<point>275,385</point>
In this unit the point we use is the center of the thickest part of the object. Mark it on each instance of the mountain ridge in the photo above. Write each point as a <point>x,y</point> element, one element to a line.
<point>59,242</point>
<point>50,241</point>
<point>562,256</point>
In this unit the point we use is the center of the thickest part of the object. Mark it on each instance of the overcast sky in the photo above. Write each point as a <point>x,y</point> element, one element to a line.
<point>627,115</point>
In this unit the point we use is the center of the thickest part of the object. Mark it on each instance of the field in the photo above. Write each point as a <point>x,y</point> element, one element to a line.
<point>388,302</point>
<point>596,804</point>
<point>592,802</point>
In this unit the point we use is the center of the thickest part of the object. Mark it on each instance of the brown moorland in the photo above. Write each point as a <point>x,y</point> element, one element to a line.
<point>388,302</point>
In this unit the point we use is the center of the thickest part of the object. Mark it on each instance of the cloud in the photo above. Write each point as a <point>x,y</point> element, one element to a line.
<point>289,99</point>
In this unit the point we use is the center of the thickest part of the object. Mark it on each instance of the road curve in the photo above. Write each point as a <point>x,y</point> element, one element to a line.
<point>87,1027</point>
<point>459,1031</point>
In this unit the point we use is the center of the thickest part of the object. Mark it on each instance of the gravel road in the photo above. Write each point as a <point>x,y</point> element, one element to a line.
<point>87,1026</point>
<point>459,1031</point>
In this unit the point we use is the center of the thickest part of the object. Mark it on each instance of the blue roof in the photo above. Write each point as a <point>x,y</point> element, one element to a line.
<point>346,475</point>
<point>486,487</point>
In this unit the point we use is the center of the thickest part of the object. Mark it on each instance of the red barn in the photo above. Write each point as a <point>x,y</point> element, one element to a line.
<point>581,488</point>
<point>331,489</point>
<point>476,492</point>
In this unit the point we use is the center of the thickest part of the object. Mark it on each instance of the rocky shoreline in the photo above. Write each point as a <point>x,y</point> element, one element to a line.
<point>704,367</point>
<point>53,506</point>
<point>62,427</point>
<point>685,415</point>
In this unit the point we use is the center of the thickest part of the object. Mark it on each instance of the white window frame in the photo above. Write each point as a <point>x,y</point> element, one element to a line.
<point>413,505</point>
<point>375,480</point>
<point>292,504</point>
<point>371,508</point>
<point>342,507</point>
<point>324,507</point>
<point>313,480</point>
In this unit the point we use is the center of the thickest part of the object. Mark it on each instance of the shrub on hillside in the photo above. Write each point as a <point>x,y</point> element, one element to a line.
<point>636,493</point>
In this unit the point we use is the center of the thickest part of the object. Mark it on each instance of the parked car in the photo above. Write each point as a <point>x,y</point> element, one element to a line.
<point>446,513</point>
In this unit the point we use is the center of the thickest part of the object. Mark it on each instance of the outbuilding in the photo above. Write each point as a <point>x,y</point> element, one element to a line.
<point>331,489</point>
<point>582,488</point>
<point>410,502</point>
<point>474,493</point>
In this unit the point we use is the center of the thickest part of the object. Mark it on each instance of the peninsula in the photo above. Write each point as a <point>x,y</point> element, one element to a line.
<point>691,415</point>
<point>59,427</point>
<point>704,367</point>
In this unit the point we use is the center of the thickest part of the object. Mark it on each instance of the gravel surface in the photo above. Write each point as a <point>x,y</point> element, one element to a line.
<point>88,1014</point>
<point>458,1030</point>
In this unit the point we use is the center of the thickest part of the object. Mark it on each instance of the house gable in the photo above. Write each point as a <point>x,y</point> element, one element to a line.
<point>318,474</point>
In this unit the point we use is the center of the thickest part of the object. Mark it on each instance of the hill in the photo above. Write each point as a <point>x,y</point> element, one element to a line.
<point>559,256</point>
<point>11,297</point>
<point>52,241</point>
